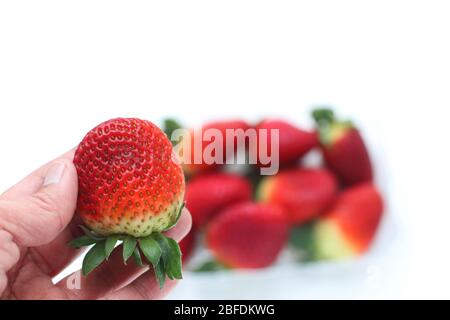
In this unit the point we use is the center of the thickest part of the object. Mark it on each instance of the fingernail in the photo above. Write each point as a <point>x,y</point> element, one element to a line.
<point>54,173</point>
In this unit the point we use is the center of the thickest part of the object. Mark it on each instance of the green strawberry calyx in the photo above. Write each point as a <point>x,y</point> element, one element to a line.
<point>302,241</point>
<point>211,266</point>
<point>329,128</point>
<point>170,125</point>
<point>158,250</point>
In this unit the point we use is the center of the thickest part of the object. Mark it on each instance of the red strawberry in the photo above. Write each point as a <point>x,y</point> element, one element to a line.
<point>303,193</point>
<point>293,142</point>
<point>343,148</point>
<point>223,126</point>
<point>248,235</point>
<point>130,190</point>
<point>350,226</point>
<point>187,245</point>
<point>192,168</point>
<point>208,194</point>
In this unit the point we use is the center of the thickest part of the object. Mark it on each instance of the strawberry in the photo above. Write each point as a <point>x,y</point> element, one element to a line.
<point>303,193</point>
<point>130,190</point>
<point>208,194</point>
<point>343,148</point>
<point>248,235</point>
<point>348,229</point>
<point>190,167</point>
<point>293,142</point>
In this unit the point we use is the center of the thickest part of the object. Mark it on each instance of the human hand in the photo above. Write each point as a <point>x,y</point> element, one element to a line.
<point>36,224</point>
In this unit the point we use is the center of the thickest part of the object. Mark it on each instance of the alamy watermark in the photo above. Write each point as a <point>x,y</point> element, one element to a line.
<point>211,146</point>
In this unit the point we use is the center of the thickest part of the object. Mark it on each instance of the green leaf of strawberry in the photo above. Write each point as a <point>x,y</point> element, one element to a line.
<point>323,115</point>
<point>91,234</point>
<point>129,244</point>
<point>82,241</point>
<point>302,240</point>
<point>110,244</point>
<point>160,274</point>
<point>171,256</point>
<point>94,258</point>
<point>151,250</point>
<point>170,125</point>
<point>137,257</point>
<point>170,226</point>
<point>175,260</point>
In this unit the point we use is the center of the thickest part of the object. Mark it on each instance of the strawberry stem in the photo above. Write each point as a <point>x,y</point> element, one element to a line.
<point>170,125</point>
<point>328,127</point>
<point>323,116</point>
<point>324,119</point>
<point>161,252</point>
<point>303,242</point>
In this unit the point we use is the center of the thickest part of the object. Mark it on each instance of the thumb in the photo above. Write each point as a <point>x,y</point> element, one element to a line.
<point>36,218</point>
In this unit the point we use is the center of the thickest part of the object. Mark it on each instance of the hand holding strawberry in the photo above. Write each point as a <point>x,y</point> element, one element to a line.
<point>130,191</point>
<point>130,195</point>
<point>37,221</point>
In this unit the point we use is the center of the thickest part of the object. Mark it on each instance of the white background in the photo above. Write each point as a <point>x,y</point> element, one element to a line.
<point>66,66</point>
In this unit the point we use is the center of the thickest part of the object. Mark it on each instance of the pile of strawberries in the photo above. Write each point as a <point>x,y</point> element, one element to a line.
<point>329,212</point>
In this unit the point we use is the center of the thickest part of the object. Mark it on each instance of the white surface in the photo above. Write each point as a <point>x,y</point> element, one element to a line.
<point>66,66</point>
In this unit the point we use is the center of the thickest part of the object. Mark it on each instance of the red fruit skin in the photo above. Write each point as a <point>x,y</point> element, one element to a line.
<point>294,143</point>
<point>128,182</point>
<point>187,245</point>
<point>248,235</point>
<point>222,126</point>
<point>304,194</point>
<point>349,159</point>
<point>358,212</point>
<point>208,194</point>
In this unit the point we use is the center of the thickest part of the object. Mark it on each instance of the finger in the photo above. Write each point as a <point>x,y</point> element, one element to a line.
<point>56,255</point>
<point>113,275</point>
<point>9,256</point>
<point>37,218</point>
<point>146,287</point>
<point>182,228</point>
<point>34,180</point>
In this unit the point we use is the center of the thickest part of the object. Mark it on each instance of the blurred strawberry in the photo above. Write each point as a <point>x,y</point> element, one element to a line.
<point>303,193</point>
<point>248,235</point>
<point>220,127</point>
<point>349,227</point>
<point>293,142</point>
<point>207,194</point>
<point>343,148</point>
